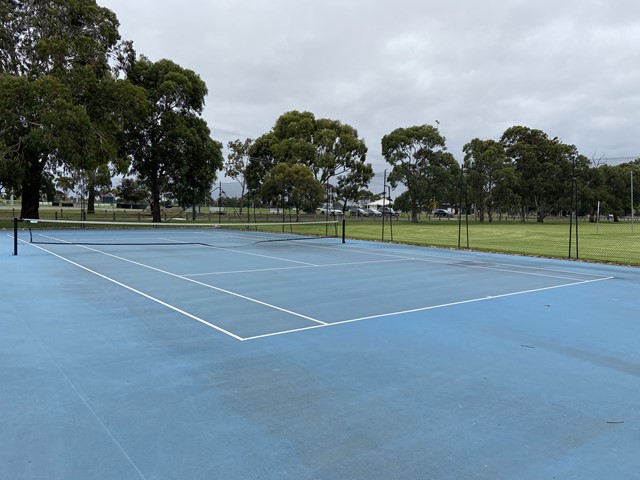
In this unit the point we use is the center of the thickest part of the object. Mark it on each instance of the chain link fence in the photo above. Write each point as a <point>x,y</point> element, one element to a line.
<point>594,224</point>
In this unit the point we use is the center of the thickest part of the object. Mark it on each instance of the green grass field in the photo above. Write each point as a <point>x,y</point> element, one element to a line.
<point>611,242</point>
<point>604,242</point>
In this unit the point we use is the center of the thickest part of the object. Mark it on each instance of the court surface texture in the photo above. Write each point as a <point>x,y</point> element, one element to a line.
<point>315,360</point>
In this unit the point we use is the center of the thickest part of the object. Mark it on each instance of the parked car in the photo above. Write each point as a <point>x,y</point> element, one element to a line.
<point>358,212</point>
<point>373,213</point>
<point>441,212</point>
<point>329,211</point>
<point>388,211</point>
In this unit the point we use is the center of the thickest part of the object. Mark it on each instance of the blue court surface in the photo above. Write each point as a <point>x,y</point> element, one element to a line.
<point>315,360</point>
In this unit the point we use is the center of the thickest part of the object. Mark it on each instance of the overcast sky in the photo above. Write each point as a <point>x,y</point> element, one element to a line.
<point>478,67</point>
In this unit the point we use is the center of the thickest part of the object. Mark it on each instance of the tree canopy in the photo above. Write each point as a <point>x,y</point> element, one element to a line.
<point>172,149</point>
<point>292,185</point>
<point>420,161</point>
<point>489,176</point>
<point>328,148</point>
<point>57,92</point>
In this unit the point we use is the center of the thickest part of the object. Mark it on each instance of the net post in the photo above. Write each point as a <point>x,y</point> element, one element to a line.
<point>15,236</point>
<point>344,223</point>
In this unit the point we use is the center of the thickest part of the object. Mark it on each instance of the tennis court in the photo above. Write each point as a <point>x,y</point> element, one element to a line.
<point>231,357</point>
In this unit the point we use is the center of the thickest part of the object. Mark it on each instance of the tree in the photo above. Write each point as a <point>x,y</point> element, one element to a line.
<point>114,108</point>
<point>130,190</point>
<point>617,179</point>
<point>292,185</point>
<point>489,175</point>
<point>352,186</point>
<point>43,130</point>
<point>420,161</point>
<point>544,169</point>
<point>237,163</point>
<point>172,149</point>
<point>327,147</point>
<point>57,55</point>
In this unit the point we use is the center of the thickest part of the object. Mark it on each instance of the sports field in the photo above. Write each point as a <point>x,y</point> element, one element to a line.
<point>615,242</point>
<point>606,241</point>
<point>235,357</point>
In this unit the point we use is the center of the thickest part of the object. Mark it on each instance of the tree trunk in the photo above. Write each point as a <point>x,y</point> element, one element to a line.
<point>155,201</point>
<point>91,197</point>
<point>31,189</point>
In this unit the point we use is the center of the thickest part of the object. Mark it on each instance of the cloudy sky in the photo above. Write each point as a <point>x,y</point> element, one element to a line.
<point>568,67</point>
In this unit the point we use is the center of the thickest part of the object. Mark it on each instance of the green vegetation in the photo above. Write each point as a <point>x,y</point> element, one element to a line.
<point>614,242</point>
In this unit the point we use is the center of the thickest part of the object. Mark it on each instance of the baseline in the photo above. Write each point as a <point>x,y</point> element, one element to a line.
<point>172,307</point>
<point>430,307</point>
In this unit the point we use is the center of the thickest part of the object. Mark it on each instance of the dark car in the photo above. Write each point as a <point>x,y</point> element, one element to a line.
<point>388,211</point>
<point>441,212</point>
<point>358,212</point>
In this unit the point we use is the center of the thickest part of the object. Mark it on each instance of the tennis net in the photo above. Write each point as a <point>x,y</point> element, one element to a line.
<point>223,235</point>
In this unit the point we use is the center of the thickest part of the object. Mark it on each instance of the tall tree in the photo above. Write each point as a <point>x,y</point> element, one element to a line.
<point>489,174</point>
<point>352,186</point>
<point>292,185</point>
<point>617,194</point>
<point>43,130</point>
<point>420,161</point>
<point>544,168</point>
<point>172,149</point>
<point>327,147</point>
<point>58,51</point>
<point>237,163</point>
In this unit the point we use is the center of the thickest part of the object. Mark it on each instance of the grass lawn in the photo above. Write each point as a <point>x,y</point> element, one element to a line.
<point>617,242</point>
<point>605,242</point>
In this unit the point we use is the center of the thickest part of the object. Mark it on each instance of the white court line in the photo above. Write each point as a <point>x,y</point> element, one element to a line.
<point>255,270</point>
<point>229,292</point>
<point>244,253</point>
<point>147,296</point>
<point>451,261</point>
<point>422,309</point>
<point>320,324</point>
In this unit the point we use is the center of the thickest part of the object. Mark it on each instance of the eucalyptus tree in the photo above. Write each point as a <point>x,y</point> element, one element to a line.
<point>420,162</point>
<point>489,175</point>
<point>545,169</point>
<point>171,149</point>
<point>292,185</point>
<point>42,130</point>
<point>329,148</point>
<point>58,83</point>
<point>236,165</point>
<point>617,195</point>
<point>352,186</point>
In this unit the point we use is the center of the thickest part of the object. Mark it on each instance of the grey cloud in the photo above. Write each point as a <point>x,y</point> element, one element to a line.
<point>570,68</point>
